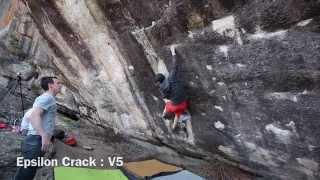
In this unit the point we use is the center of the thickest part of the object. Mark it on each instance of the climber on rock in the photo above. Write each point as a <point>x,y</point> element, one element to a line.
<point>173,90</point>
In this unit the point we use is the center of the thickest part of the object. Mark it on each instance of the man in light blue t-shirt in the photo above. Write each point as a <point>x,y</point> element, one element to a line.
<point>41,126</point>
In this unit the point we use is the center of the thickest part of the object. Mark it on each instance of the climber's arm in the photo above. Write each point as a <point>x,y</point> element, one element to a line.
<point>164,113</point>
<point>175,66</point>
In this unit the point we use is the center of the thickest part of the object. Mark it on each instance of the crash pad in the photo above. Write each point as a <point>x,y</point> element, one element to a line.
<point>67,173</point>
<point>149,168</point>
<point>182,175</point>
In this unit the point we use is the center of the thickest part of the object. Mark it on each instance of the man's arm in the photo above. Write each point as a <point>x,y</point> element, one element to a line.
<point>36,122</point>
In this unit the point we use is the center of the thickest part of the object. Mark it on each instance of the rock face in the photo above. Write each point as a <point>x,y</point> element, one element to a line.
<point>10,150</point>
<point>251,68</point>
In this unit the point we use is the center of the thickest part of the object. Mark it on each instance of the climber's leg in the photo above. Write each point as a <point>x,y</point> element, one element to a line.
<point>164,112</point>
<point>189,131</point>
<point>167,122</point>
<point>175,121</point>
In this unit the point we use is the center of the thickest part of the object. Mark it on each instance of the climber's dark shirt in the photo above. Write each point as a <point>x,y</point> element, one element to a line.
<point>173,87</point>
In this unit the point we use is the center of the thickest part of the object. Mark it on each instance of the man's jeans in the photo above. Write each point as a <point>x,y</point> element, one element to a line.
<point>31,149</point>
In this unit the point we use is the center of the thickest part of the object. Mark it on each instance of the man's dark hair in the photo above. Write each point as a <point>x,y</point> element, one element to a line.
<point>160,78</point>
<point>45,81</point>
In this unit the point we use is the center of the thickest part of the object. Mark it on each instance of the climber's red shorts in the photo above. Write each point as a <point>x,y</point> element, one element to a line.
<point>177,109</point>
